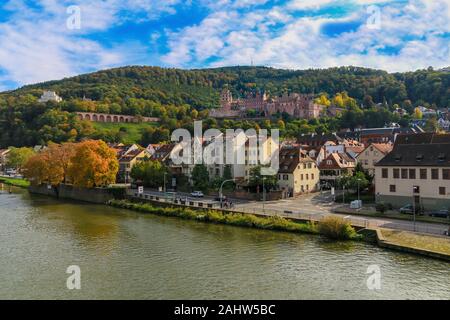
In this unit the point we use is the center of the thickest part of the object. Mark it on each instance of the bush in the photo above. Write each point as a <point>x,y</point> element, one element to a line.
<point>337,228</point>
<point>381,207</point>
<point>332,227</point>
<point>215,216</point>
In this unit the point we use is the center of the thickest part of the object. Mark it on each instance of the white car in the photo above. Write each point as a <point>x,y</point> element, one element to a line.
<point>197,194</point>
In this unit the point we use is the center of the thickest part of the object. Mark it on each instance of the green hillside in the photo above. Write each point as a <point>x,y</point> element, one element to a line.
<point>178,97</point>
<point>200,88</point>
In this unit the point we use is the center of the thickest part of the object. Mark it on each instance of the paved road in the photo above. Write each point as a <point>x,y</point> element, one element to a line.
<point>315,206</point>
<point>186,195</point>
<point>321,205</point>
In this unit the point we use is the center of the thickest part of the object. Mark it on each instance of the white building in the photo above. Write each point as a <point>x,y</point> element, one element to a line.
<point>49,96</point>
<point>416,171</point>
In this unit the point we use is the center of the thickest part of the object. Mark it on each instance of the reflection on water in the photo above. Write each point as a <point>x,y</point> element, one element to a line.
<point>123,254</point>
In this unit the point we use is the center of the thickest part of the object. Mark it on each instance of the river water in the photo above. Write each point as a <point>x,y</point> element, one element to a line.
<point>127,255</point>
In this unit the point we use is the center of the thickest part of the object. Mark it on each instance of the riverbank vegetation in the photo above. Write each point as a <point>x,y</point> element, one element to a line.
<point>344,230</point>
<point>337,228</point>
<point>21,183</point>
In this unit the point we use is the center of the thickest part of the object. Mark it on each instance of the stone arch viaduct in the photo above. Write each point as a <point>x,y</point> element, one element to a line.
<point>118,118</point>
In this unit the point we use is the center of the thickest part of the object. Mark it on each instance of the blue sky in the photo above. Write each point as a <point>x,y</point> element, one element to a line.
<point>37,44</point>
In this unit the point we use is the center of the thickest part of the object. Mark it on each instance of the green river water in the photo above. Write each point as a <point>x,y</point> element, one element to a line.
<point>127,255</point>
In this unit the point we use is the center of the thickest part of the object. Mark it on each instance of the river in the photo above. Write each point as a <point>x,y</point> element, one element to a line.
<point>127,255</point>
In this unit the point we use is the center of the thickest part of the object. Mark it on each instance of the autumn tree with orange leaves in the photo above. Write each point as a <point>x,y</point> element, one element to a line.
<point>87,164</point>
<point>94,164</point>
<point>51,165</point>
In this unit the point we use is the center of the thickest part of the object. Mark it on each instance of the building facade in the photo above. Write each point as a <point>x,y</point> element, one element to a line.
<point>49,96</point>
<point>371,155</point>
<point>298,173</point>
<point>297,105</point>
<point>416,171</point>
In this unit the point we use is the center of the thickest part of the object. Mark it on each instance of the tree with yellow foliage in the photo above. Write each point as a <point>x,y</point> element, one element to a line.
<point>51,165</point>
<point>418,113</point>
<point>94,164</point>
<point>323,100</point>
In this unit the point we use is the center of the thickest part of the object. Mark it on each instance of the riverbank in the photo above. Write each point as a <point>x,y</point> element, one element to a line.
<point>21,183</point>
<point>334,228</point>
<point>391,214</point>
<point>432,246</point>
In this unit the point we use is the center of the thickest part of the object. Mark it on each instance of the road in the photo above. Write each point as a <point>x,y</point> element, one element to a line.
<point>322,204</point>
<point>315,206</point>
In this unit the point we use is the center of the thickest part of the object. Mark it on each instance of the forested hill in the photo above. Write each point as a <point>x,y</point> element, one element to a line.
<point>200,88</point>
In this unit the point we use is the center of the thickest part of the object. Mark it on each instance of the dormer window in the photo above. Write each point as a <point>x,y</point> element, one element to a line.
<point>419,157</point>
<point>398,157</point>
<point>441,156</point>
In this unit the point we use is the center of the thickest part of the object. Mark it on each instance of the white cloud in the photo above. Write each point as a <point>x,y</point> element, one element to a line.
<point>410,37</point>
<point>37,46</point>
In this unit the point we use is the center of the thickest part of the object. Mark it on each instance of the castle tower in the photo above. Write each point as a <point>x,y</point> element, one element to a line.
<point>226,99</point>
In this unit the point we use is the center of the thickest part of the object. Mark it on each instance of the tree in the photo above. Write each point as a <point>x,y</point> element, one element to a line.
<point>368,101</point>
<point>36,170</point>
<point>323,100</point>
<point>418,114</point>
<point>94,164</point>
<point>51,165</point>
<point>432,125</point>
<point>151,173</point>
<point>256,179</point>
<point>358,180</point>
<point>200,177</point>
<point>17,157</point>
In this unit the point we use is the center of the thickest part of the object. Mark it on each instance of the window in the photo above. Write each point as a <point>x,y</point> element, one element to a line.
<point>396,173</point>
<point>446,174</point>
<point>435,174</point>
<point>301,177</point>
<point>384,173</point>
<point>404,173</point>
<point>442,191</point>
<point>423,174</point>
<point>392,188</point>
<point>312,176</point>
<point>412,173</point>
<point>307,176</point>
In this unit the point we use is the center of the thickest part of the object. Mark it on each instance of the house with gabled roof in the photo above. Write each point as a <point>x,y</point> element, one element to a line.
<point>372,154</point>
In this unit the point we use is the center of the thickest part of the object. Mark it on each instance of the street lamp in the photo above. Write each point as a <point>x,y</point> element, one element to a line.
<point>415,188</point>
<point>220,190</point>
<point>264,195</point>
<point>358,190</point>
<point>165,173</point>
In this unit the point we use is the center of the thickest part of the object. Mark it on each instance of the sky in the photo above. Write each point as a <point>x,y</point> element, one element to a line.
<point>44,40</point>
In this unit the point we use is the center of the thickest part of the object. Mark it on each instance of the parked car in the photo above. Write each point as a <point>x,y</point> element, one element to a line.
<point>443,213</point>
<point>408,209</point>
<point>197,194</point>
